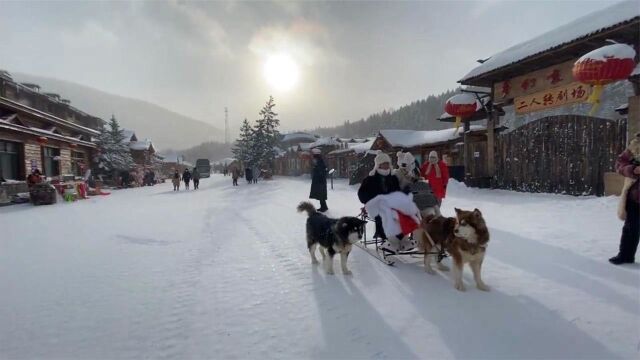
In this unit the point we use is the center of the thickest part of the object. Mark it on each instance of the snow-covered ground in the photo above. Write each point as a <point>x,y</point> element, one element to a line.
<point>223,272</point>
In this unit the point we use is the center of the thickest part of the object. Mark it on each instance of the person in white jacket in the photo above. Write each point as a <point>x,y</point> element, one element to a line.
<point>380,192</point>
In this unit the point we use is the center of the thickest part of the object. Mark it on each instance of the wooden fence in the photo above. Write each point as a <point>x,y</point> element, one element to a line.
<point>566,154</point>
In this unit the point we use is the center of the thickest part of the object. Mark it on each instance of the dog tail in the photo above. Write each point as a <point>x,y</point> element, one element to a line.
<point>308,207</point>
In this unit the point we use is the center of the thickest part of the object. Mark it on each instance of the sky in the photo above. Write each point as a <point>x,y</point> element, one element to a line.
<point>196,58</point>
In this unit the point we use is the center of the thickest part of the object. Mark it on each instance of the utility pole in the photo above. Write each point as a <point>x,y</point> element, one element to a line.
<point>226,126</point>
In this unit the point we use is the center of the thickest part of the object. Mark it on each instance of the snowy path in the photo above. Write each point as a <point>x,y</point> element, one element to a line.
<point>224,273</point>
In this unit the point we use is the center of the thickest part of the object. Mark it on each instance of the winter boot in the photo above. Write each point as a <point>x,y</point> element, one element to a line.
<point>390,245</point>
<point>619,260</point>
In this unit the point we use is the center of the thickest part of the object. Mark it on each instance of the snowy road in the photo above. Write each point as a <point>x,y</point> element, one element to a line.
<point>223,273</point>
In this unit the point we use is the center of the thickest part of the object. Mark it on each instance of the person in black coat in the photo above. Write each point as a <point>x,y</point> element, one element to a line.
<point>319,180</point>
<point>186,177</point>
<point>248,173</point>
<point>196,178</point>
<point>379,182</point>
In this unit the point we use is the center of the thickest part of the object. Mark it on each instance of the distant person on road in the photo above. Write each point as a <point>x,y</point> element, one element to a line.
<point>256,174</point>
<point>186,177</point>
<point>235,174</point>
<point>196,179</point>
<point>248,173</point>
<point>176,180</point>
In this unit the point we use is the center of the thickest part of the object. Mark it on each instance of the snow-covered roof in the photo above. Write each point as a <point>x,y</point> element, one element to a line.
<point>355,147</point>
<point>279,152</point>
<point>128,134</point>
<point>305,146</point>
<point>140,145</point>
<point>325,141</point>
<point>298,137</point>
<point>352,140</point>
<point>478,89</point>
<point>35,131</point>
<point>410,138</point>
<point>579,28</point>
<point>362,147</point>
<point>622,107</point>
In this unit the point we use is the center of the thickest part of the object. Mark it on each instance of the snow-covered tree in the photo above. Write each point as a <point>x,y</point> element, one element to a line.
<point>114,150</point>
<point>266,135</point>
<point>243,146</point>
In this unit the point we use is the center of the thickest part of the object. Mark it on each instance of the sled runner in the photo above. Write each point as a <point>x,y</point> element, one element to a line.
<point>373,246</point>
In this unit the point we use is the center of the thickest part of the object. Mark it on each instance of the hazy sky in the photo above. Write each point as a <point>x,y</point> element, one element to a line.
<point>354,58</point>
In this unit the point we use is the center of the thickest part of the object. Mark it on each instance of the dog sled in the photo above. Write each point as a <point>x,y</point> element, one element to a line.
<point>373,246</point>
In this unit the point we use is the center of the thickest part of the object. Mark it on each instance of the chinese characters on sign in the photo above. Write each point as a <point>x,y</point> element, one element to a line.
<point>534,81</point>
<point>563,95</point>
<point>528,83</point>
<point>506,89</point>
<point>554,77</point>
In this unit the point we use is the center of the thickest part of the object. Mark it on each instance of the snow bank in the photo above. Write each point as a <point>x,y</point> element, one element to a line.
<point>224,272</point>
<point>579,28</point>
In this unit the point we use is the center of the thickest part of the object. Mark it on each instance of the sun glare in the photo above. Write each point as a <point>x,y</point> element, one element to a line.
<point>281,72</point>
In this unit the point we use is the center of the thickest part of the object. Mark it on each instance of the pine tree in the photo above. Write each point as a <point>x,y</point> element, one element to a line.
<point>266,135</point>
<point>114,150</point>
<point>243,145</point>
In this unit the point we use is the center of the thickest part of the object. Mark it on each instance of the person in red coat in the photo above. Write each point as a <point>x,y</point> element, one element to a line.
<point>437,174</point>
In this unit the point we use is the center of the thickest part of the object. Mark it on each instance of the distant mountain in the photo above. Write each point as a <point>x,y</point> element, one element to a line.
<point>166,128</point>
<point>419,115</point>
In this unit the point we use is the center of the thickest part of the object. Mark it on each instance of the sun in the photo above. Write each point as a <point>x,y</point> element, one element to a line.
<point>281,72</point>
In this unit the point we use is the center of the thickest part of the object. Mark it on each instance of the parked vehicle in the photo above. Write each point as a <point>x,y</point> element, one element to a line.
<point>204,167</point>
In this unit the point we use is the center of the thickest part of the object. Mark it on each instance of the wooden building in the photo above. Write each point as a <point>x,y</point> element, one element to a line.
<point>345,160</point>
<point>42,131</point>
<point>553,144</point>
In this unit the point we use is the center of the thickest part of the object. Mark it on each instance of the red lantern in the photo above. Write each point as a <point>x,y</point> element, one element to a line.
<point>42,140</point>
<point>461,106</point>
<point>603,66</point>
<point>73,146</point>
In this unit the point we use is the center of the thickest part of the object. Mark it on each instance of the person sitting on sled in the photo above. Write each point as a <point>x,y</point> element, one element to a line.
<point>391,208</point>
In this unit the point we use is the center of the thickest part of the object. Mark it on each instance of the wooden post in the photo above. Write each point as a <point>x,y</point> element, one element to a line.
<point>465,150</point>
<point>491,160</point>
<point>633,117</point>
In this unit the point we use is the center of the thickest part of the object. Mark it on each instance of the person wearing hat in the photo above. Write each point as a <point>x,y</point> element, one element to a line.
<point>628,165</point>
<point>437,174</point>
<point>379,182</point>
<point>319,180</point>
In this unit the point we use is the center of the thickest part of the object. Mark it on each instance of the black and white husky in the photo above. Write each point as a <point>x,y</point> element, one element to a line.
<point>334,235</point>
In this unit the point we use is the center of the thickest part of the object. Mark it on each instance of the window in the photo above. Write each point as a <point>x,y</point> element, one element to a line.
<point>9,160</point>
<point>77,163</point>
<point>51,160</point>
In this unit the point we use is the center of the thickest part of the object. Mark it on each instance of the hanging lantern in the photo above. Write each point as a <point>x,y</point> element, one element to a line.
<point>603,66</point>
<point>461,106</point>
<point>73,145</point>
<point>42,140</point>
